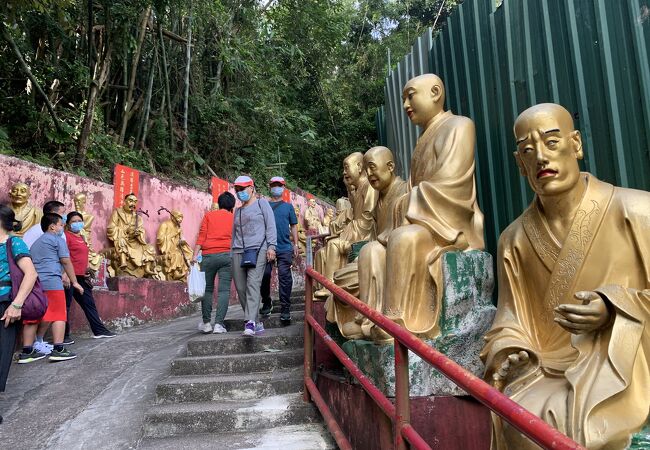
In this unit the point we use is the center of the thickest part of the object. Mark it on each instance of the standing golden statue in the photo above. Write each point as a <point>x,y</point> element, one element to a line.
<point>131,254</point>
<point>94,258</point>
<point>440,210</point>
<point>334,254</point>
<point>571,341</point>
<point>26,214</point>
<point>365,277</point>
<point>302,236</point>
<point>312,218</point>
<point>327,219</point>
<point>175,253</point>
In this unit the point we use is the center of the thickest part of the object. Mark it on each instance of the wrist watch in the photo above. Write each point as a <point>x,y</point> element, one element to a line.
<point>17,306</point>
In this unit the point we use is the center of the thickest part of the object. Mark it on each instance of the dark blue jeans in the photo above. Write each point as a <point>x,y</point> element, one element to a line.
<point>285,280</point>
<point>87,303</point>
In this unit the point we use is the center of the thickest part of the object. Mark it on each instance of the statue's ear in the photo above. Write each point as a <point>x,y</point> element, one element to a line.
<point>436,93</point>
<point>576,140</point>
<point>520,163</point>
<point>391,166</point>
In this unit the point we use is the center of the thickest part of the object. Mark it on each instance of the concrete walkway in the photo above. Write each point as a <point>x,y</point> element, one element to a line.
<point>97,400</point>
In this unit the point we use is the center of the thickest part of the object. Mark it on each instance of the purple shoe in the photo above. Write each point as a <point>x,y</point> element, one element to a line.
<point>249,328</point>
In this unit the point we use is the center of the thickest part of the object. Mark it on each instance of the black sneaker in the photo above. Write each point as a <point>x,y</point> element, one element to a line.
<point>63,355</point>
<point>104,335</point>
<point>68,340</point>
<point>285,319</point>
<point>26,358</point>
<point>265,312</point>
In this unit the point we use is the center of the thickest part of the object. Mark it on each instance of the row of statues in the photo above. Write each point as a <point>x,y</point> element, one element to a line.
<point>570,341</point>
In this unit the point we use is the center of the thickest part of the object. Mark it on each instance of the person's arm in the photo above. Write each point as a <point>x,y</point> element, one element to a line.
<point>69,271</point>
<point>14,311</point>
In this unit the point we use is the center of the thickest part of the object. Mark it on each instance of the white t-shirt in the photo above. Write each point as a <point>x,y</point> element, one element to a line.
<point>34,233</point>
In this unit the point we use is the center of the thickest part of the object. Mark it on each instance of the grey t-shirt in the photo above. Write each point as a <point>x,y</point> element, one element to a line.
<point>251,221</point>
<point>46,253</point>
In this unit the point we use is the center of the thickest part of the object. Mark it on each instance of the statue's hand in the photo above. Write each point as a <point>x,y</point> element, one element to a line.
<point>346,246</point>
<point>589,317</point>
<point>512,362</point>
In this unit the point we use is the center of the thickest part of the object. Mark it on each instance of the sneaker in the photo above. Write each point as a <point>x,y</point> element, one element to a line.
<point>104,335</point>
<point>25,358</point>
<point>285,318</point>
<point>218,329</point>
<point>265,312</point>
<point>259,328</point>
<point>68,340</point>
<point>43,347</point>
<point>205,328</point>
<point>63,355</point>
<point>249,328</point>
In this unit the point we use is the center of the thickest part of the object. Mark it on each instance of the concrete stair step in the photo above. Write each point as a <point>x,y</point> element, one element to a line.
<point>272,322</point>
<point>294,307</point>
<point>292,437</point>
<point>224,387</point>
<point>230,364</point>
<point>290,337</point>
<point>229,416</point>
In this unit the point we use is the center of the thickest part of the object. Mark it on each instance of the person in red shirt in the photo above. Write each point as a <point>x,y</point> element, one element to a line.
<point>214,241</point>
<point>79,257</point>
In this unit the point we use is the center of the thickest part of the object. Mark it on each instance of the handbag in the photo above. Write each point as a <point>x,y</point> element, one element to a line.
<point>249,257</point>
<point>35,304</point>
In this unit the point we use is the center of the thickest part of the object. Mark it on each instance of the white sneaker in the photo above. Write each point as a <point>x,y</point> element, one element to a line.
<point>205,327</point>
<point>43,347</point>
<point>218,329</point>
<point>249,328</point>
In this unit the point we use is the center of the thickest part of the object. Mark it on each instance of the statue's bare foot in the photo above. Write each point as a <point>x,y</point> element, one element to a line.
<point>352,330</point>
<point>322,294</point>
<point>379,336</point>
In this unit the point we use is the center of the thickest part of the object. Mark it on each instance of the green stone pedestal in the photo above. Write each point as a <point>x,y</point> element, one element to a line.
<point>465,317</point>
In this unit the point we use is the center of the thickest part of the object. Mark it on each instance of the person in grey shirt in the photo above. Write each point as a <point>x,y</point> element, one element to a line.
<point>253,230</point>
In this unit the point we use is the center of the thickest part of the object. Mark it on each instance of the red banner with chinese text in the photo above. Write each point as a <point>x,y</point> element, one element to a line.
<point>219,186</point>
<point>286,196</point>
<point>126,180</point>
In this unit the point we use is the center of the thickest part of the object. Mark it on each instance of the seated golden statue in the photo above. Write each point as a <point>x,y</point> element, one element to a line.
<point>131,254</point>
<point>327,219</point>
<point>27,214</point>
<point>312,218</point>
<point>94,258</point>
<point>334,254</point>
<point>361,277</point>
<point>175,253</point>
<point>302,236</point>
<point>440,210</point>
<point>571,341</point>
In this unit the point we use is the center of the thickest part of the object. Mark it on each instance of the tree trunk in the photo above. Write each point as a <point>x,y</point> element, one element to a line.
<point>128,109</point>
<point>165,72</point>
<point>147,102</point>
<point>25,68</point>
<point>187,80</point>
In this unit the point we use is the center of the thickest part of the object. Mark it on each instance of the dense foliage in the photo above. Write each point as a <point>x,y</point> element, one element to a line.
<point>88,83</point>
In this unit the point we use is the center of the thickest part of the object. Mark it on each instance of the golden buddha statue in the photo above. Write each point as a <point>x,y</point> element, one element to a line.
<point>94,258</point>
<point>327,219</point>
<point>333,256</point>
<point>312,218</point>
<point>364,277</point>
<point>571,341</point>
<point>175,253</point>
<point>440,210</point>
<point>26,214</point>
<point>302,236</point>
<point>131,254</point>
<point>214,207</point>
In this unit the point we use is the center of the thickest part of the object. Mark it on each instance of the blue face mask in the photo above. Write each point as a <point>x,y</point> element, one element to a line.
<point>244,196</point>
<point>76,227</point>
<point>60,232</point>
<point>64,219</point>
<point>277,191</point>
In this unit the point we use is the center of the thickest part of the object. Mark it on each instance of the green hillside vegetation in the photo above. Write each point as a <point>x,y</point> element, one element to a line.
<point>85,84</point>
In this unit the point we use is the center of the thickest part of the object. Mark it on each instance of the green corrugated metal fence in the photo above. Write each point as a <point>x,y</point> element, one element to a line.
<point>591,56</point>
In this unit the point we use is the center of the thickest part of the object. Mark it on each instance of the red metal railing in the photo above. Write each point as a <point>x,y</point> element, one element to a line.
<point>399,413</point>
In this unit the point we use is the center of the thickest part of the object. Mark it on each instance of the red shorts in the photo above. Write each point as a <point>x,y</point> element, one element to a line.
<point>56,310</point>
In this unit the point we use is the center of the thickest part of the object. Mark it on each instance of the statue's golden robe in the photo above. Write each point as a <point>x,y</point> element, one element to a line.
<point>28,216</point>
<point>126,232</point>
<point>441,213</point>
<point>176,254</point>
<point>596,387</point>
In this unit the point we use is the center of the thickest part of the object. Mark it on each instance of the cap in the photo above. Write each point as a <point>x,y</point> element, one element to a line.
<point>277,180</point>
<point>243,180</point>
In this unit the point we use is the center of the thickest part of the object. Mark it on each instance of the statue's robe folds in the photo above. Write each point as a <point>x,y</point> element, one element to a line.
<point>126,232</point>
<point>595,387</point>
<point>312,220</point>
<point>333,255</point>
<point>175,255</point>
<point>364,278</point>
<point>441,214</point>
<point>28,216</point>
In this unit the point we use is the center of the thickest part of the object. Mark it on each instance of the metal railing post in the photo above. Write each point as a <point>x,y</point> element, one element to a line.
<point>310,252</point>
<point>309,336</point>
<point>402,400</point>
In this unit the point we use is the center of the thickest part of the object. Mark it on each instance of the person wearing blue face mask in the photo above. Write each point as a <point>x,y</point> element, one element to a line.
<point>286,229</point>
<point>253,244</point>
<point>79,258</point>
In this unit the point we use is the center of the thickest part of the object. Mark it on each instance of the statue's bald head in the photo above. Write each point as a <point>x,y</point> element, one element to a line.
<point>423,98</point>
<point>353,168</point>
<point>380,167</point>
<point>543,113</point>
<point>378,154</point>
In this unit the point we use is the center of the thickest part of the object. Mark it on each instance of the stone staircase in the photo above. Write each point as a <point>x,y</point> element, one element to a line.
<point>236,392</point>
